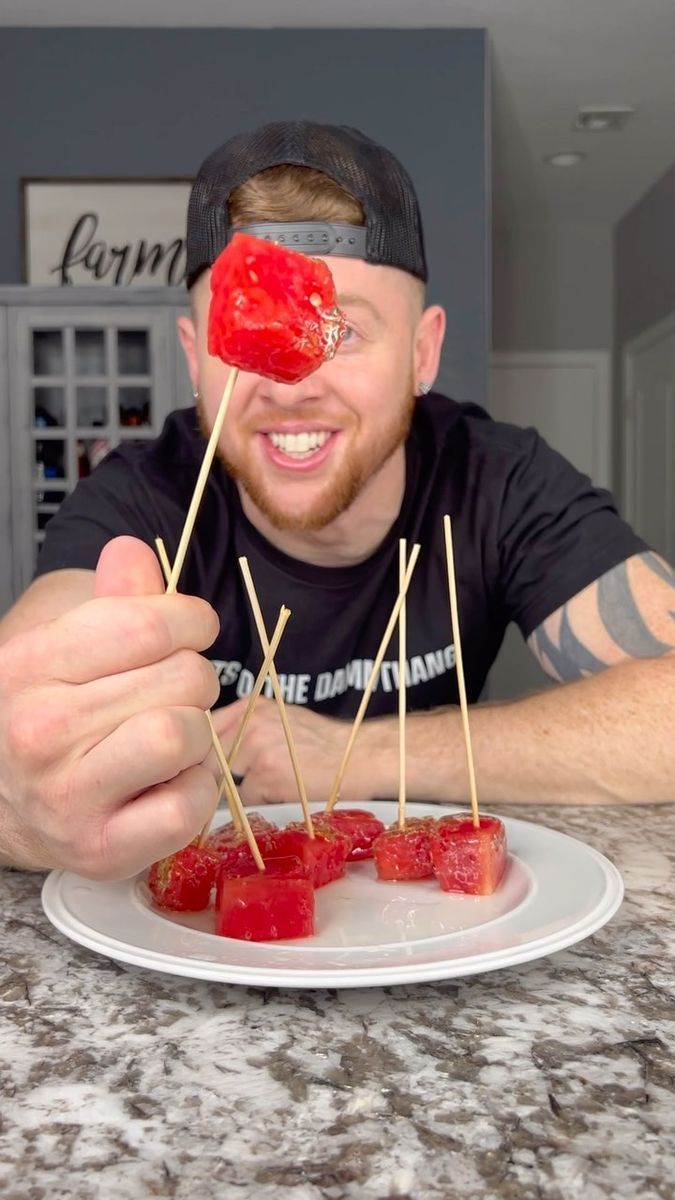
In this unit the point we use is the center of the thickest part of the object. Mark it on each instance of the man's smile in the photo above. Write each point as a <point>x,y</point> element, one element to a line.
<point>298,447</point>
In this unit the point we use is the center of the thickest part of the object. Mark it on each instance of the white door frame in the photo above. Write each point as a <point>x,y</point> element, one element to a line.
<point>656,333</point>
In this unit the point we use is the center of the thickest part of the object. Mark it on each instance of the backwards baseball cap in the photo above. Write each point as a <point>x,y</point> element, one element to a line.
<point>391,236</point>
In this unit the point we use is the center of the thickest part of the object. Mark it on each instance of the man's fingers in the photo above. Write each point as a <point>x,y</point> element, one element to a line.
<point>150,747</point>
<point>91,712</point>
<point>162,820</point>
<point>109,636</point>
<point>128,567</point>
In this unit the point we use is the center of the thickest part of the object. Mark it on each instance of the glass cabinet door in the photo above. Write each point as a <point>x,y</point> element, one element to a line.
<point>82,381</point>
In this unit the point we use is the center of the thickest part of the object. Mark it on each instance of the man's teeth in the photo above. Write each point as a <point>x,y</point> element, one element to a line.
<point>299,444</point>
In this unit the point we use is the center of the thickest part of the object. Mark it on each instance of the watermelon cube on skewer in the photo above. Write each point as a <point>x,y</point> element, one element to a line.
<point>467,858</point>
<point>183,882</point>
<point>325,854</point>
<point>272,905</point>
<point>359,825</point>
<point>405,854</point>
<point>273,311</point>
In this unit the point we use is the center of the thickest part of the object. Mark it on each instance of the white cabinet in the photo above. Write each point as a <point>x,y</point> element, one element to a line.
<point>79,373</point>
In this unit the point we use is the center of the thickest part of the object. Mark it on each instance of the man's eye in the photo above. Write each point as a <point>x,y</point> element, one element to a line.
<point>350,335</point>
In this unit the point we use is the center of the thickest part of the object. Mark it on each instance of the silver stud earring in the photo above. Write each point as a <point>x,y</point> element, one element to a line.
<point>195,393</point>
<point>424,388</point>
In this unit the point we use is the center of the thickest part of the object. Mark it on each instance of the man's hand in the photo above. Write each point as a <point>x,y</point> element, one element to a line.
<point>264,762</point>
<point>103,735</point>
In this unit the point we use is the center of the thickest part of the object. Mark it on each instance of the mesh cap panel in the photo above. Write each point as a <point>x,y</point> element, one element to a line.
<point>369,172</point>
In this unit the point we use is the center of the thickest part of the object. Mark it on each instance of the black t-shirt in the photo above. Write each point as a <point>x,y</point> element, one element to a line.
<point>529,533</point>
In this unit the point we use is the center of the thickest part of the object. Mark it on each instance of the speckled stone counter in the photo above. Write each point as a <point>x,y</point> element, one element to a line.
<point>554,1079</point>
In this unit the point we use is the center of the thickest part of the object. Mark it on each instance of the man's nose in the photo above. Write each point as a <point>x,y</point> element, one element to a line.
<point>291,395</point>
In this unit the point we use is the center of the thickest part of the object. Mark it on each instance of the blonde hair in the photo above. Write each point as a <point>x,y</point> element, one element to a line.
<point>293,193</point>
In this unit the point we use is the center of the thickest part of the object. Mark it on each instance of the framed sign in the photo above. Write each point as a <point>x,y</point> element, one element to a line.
<point>124,233</point>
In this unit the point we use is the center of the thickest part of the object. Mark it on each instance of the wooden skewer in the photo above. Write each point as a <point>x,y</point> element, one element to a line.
<point>276,687</point>
<point>401,685</point>
<point>454,615</point>
<point>224,790</point>
<point>335,792</point>
<point>234,799</point>
<point>163,558</point>
<point>209,455</point>
<point>232,788</point>
<point>284,614</point>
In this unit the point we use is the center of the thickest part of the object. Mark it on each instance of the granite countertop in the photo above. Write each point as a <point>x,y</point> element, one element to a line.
<point>550,1080</point>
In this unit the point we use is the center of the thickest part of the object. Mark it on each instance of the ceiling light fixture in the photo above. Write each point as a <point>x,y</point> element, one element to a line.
<point>602,118</point>
<point>564,158</point>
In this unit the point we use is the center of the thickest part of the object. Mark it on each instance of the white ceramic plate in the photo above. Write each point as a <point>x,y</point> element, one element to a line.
<point>556,892</point>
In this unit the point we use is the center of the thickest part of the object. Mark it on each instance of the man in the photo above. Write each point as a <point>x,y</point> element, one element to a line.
<point>103,738</point>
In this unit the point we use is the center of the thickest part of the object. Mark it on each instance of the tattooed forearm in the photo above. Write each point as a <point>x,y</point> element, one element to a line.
<point>608,621</point>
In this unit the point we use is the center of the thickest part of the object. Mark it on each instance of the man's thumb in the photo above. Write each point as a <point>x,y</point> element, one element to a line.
<point>128,567</point>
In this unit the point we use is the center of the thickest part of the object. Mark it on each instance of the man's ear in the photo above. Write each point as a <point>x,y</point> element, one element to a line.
<point>428,344</point>
<point>187,336</point>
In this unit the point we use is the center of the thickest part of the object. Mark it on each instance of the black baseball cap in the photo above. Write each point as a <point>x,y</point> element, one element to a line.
<point>392,234</point>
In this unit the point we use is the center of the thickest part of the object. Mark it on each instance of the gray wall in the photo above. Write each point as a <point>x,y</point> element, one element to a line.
<point>123,102</point>
<point>644,258</point>
<point>645,261</point>
<point>552,287</point>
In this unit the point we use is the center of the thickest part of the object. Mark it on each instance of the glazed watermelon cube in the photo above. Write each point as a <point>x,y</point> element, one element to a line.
<point>466,858</point>
<point>182,882</point>
<point>276,864</point>
<point>273,311</point>
<point>265,907</point>
<point>325,854</point>
<point>233,851</point>
<point>404,854</point>
<point>359,825</point>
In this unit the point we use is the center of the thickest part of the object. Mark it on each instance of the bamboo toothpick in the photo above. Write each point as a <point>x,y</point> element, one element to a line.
<point>401,685</point>
<point>335,792</point>
<point>163,558</point>
<point>224,790</point>
<point>234,799</point>
<point>209,455</point>
<point>284,614</point>
<point>232,789</point>
<point>276,688</point>
<point>454,615</point>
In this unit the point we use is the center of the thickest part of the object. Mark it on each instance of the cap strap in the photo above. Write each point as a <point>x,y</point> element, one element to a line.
<point>309,237</point>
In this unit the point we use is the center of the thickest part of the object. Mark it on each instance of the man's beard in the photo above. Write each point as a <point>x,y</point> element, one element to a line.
<point>339,492</point>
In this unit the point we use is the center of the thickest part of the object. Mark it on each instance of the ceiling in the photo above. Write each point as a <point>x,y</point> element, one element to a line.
<point>548,58</point>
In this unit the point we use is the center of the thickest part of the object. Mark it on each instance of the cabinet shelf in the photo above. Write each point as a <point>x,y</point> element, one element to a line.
<point>57,484</point>
<point>83,381</point>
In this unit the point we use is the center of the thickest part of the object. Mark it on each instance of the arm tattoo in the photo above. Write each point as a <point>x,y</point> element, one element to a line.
<point>622,618</point>
<point>567,657</point>
<point>659,567</point>
<point>569,660</point>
